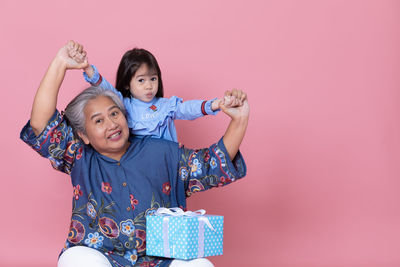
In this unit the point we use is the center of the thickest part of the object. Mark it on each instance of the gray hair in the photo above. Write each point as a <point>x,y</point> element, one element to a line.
<point>74,112</point>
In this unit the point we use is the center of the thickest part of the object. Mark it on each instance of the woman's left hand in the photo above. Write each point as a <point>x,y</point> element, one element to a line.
<point>235,104</point>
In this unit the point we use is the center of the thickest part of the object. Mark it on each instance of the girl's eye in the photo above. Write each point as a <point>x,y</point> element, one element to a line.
<point>141,80</point>
<point>154,79</point>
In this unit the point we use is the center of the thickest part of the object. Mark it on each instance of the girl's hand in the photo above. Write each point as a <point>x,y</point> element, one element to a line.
<point>233,98</point>
<point>235,104</point>
<point>215,104</point>
<point>72,56</point>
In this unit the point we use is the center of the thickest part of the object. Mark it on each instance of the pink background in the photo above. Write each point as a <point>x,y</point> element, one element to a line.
<point>323,143</point>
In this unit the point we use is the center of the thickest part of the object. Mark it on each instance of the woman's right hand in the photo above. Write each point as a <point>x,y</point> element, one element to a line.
<point>72,56</point>
<point>45,101</point>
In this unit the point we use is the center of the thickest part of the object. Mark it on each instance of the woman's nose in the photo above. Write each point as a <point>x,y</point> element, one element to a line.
<point>112,122</point>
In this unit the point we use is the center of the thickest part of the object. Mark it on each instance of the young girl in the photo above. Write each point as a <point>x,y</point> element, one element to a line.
<point>140,87</point>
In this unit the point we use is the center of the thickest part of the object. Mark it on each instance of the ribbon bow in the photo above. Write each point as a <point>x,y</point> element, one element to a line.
<point>176,212</point>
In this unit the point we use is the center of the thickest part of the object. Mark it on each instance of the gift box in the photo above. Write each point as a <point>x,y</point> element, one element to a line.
<point>173,233</point>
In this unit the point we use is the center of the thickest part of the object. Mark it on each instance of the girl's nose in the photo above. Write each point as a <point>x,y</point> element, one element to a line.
<point>149,85</point>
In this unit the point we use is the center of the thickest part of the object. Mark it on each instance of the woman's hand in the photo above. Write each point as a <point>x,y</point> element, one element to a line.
<point>235,104</point>
<point>45,101</point>
<point>72,56</point>
<point>76,53</point>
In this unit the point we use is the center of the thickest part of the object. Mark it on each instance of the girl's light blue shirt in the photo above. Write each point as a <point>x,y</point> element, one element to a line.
<point>155,118</point>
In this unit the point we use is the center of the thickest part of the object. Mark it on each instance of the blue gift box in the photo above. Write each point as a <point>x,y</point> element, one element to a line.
<point>184,236</point>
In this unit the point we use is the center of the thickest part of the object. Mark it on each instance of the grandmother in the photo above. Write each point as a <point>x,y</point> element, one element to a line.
<point>118,179</point>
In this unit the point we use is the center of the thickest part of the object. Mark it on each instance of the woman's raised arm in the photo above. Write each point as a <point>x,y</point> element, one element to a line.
<point>239,119</point>
<point>45,101</point>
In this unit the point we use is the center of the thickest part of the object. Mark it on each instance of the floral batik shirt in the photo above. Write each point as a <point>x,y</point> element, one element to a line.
<point>110,198</point>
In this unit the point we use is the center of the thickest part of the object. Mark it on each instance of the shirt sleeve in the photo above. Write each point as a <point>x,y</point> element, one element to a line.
<point>203,169</point>
<point>191,109</point>
<point>56,142</point>
<point>98,81</point>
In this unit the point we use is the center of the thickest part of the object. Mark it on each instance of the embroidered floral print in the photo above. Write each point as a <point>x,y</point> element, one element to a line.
<point>166,188</point>
<point>194,186</point>
<point>150,211</point>
<point>90,210</point>
<point>94,240</point>
<point>131,256</point>
<point>106,188</point>
<point>213,163</point>
<point>134,201</point>
<point>109,227</point>
<point>77,192</point>
<point>76,232</point>
<point>140,240</point>
<point>183,173</point>
<point>56,136</point>
<point>196,168</point>
<point>206,155</point>
<point>127,227</point>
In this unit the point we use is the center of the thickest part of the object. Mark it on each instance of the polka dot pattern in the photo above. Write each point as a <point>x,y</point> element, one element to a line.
<point>183,236</point>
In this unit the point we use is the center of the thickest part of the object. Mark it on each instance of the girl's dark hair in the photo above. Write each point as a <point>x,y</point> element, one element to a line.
<point>130,63</point>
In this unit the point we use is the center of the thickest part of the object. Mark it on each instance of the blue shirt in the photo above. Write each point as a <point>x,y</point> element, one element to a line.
<point>111,198</point>
<point>155,118</point>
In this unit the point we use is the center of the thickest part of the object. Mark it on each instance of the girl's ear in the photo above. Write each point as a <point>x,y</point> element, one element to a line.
<point>84,138</point>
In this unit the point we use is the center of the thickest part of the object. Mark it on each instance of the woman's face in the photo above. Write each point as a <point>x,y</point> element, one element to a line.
<point>106,127</point>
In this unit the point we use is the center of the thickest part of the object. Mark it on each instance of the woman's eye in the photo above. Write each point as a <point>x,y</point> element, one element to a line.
<point>114,113</point>
<point>98,121</point>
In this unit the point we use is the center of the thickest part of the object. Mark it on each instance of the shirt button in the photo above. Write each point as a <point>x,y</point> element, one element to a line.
<point>128,208</point>
<point>123,184</point>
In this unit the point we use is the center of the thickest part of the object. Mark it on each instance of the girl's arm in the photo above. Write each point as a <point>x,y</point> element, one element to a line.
<point>45,100</point>
<point>192,109</point>
<point>239,119</point>
<point>92,76</point>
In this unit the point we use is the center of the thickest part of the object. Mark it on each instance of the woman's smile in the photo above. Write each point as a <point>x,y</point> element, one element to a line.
<point>115,136</point>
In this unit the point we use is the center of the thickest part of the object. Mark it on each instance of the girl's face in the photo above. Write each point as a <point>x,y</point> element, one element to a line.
<point>144,84</point>
<point>106,128</point>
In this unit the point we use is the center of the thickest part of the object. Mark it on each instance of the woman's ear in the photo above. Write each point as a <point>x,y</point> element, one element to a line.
<point>84,138</point>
